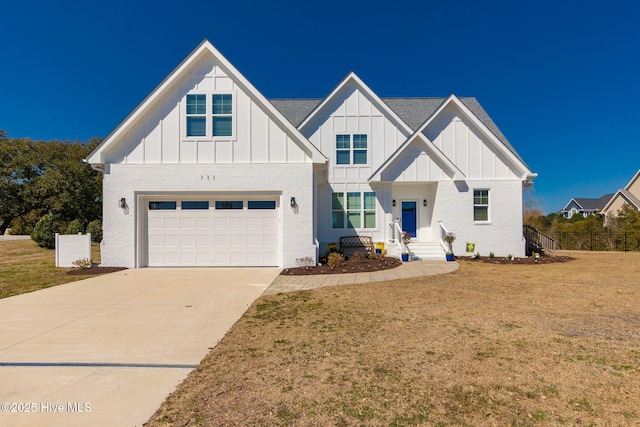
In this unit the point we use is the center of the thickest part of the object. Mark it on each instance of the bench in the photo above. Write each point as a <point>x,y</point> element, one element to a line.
<point>352,244</point>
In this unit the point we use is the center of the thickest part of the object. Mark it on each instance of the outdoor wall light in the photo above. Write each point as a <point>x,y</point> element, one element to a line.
<point>424,202</point>
<point>393,202</point>
<point>293,202</point>
<point>123,203</point>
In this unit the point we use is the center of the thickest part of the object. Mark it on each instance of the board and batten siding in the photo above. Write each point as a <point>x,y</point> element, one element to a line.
<point>159,136</point>
<point>467,148</point>
<point>352,112</point>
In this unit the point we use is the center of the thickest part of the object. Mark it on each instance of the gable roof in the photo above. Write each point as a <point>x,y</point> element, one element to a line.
<point>412,111</point>
<point>352,78</point>
<point>588,204</point>
<point>456,174</point>
<point>627,195</point>
<point>635,177</point>
<point>205,48</point>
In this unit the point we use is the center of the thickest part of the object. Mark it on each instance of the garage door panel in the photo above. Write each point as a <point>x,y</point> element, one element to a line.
<point>188,223</point>
<point>215,236</point>
<point>171,222</point>
<point>203,223</point>
<point>187,241</point>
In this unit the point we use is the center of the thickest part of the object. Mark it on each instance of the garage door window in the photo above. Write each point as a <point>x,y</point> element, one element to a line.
<point>229,204</point>
<point>261,204</point>
<point>162,206</point>
<point>194,205</point>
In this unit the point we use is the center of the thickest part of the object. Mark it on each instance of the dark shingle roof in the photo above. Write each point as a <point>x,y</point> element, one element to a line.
<point>413,111</point>
<point>591,204</point>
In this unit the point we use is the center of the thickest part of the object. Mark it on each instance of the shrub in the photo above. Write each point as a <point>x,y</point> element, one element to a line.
<point>305,262</point>
<point>75,227</point>
<point>83,263</point>
<point>491,255</point>
<point>95,228</point>
<point>44,231</point>
<point>335,259</point>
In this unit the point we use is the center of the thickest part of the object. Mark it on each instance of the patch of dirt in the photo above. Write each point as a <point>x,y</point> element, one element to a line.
<point>94,271</point>
<point>546,259</point>
<point>355,264</point>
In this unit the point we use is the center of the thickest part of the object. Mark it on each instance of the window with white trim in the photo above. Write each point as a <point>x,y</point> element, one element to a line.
<point>481,205</point>
<point>351,149</point>
<point>355,210</point>
<point>197,115</point>
<point>209,115</point>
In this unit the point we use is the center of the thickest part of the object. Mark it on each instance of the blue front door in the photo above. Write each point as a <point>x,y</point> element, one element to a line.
<point>409,217</point>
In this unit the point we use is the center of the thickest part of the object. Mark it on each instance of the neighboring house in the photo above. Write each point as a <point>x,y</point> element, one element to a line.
<point>630,194</point>
<point>585,206</point>
<point>207,172</point>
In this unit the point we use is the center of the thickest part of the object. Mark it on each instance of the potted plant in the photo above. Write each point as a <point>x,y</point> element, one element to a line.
<point>450,238</point>
<point>406,238</point>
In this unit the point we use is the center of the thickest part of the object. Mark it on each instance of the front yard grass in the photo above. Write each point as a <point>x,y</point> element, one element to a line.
<point>519,345</point>
<point>25,267</point>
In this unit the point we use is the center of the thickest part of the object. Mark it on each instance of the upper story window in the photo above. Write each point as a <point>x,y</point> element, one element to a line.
<point>481,205</point>
<point>197,115</point>
<point>351,149</point>
<point>222,115</point>
<point>209,111</point>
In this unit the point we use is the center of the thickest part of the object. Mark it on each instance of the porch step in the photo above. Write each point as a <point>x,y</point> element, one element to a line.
<point>422,251</point>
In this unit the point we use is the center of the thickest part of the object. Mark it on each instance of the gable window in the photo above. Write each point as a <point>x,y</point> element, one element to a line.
<point>222,115</point>
<point>209,115</point>
<point>481,205</point>
<point>196,115</point>
<point>351,149</point>
<point>355,210</point>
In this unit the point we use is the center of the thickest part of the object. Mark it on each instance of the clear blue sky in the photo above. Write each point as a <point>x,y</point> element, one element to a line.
<point>560,78</point>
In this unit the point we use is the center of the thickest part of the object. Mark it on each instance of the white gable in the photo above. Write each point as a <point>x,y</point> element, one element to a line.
<point>353,109</point>
<point>416,164</point>
<point>467,148</point>
<point>155,133</point>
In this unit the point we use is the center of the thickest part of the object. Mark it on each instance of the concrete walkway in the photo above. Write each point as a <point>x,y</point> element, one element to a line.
<point>283,284</point>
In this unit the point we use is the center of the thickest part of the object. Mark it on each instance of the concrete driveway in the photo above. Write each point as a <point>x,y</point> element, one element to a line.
<point>108,350</point>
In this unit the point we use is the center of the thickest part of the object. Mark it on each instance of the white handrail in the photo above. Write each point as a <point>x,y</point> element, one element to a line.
<point>397,233</point>
<point>443,232</point>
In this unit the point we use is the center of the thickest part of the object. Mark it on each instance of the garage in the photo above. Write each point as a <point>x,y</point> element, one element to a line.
<point>220,232</point>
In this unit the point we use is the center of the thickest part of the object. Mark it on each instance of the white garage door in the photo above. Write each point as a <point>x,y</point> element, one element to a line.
<point>229,232</point>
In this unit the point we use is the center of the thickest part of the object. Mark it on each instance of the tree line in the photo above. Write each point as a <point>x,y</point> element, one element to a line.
<point>39,178</point>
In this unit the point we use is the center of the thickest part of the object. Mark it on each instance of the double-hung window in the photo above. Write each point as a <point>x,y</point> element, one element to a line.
<point>197,115</point>
<point>355,210</point>
<point>222,115</point>
<point>209,115</point>
<point>481,205</point>
<point>351,149</point>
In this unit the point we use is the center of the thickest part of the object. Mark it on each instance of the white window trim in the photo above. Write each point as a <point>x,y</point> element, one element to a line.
<point>209,116</point>
<point>488,205</point>
<point>345,211</point>
<point>351,150</point>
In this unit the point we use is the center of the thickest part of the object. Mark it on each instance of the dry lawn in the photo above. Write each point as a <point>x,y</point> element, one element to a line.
<point>25,267</point>
<point>503,345</point>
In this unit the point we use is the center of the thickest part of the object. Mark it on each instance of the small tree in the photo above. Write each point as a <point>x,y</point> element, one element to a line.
<point>75,227</point>
<point>44,231</point>
<point>95,228</point>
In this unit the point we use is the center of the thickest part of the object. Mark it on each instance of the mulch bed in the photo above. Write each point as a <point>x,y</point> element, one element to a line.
<point>93,271</point>
<point>351,265</point>
<point>544,259</point>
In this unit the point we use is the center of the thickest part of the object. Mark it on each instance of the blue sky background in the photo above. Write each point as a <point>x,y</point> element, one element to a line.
<point>560,78</point>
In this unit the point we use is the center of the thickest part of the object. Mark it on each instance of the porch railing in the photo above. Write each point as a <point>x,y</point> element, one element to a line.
<point>396,235</point>
<point>443,232</point>
<point>539,242</point>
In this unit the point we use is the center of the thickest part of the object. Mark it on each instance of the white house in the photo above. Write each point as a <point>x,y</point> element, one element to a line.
<point>207,172</point>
